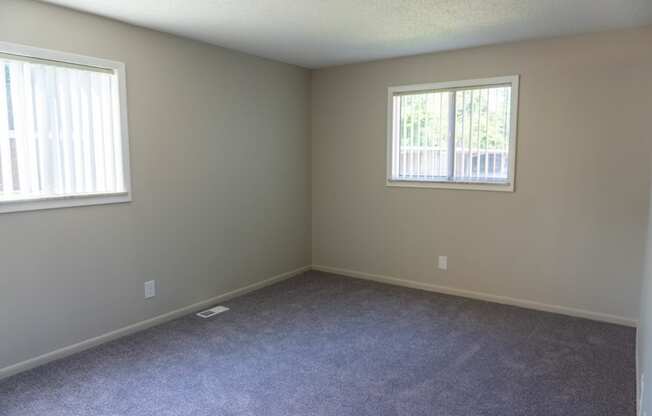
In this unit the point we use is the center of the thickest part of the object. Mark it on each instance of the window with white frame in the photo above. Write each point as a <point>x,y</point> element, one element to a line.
<point>459,135</point>
<point>63,131</point>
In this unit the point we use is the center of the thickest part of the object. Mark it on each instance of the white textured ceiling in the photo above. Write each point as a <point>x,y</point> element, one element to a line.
<point>317,33</point>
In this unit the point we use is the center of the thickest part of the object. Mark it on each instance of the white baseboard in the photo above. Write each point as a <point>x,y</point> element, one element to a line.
<point>139,326</point>
<point>157,320</point>
<point>529,304</point>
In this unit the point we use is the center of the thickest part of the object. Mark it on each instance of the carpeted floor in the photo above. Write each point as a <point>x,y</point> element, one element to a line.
<point>321,344</point>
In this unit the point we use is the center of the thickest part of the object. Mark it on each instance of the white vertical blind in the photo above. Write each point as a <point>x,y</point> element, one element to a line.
<point>482,134</point>
<point>59,131</point>
<point>458,135</point>
<point>5,140</point>
<point>423,142</point>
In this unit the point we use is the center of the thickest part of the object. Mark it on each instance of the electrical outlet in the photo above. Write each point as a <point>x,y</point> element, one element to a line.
<point>442,264</point>
<point>150,289</point>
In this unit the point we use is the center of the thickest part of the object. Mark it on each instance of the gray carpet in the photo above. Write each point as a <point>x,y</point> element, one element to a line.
<point>320,344</point>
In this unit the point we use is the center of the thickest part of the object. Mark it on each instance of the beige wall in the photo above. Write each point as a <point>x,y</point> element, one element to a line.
<point>573,232</point>
<point>219,155</point>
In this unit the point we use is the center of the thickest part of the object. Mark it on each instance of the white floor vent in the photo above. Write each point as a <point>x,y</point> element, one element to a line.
<point>212,311</point>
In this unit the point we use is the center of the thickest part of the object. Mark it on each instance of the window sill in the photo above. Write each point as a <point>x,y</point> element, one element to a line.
<point>63,201</point>
<point>465,186</point>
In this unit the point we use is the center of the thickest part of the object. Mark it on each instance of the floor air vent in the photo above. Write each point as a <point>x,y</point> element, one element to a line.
<point>212,311</point>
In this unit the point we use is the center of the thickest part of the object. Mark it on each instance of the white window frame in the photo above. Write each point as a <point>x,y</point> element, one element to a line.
<point>392,136</point>
<point>76,200</point>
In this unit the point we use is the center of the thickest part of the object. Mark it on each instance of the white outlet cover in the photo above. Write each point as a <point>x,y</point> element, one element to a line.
<point>442,264</point>
<point>150,289</point>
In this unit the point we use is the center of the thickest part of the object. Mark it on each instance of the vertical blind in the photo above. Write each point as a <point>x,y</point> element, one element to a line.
<point>59,130</point>
<point>423,129</point>
<point>460,135</point>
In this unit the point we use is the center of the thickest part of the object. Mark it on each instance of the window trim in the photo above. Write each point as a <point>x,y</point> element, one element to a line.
<point>512,80</point>
<point>76,200</point>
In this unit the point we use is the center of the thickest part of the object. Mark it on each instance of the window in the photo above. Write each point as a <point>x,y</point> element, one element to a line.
<point>459,135</point>
<point>63,130</point>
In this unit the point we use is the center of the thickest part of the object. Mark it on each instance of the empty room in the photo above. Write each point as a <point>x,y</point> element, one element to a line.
<point>336,208</point>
